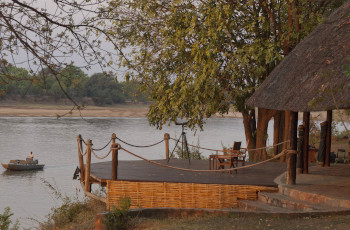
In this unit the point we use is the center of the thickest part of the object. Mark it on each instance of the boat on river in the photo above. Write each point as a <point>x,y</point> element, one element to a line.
<point>21,165</point>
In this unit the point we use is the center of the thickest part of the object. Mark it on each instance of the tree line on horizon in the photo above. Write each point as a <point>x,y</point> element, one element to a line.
<point>101,88</point>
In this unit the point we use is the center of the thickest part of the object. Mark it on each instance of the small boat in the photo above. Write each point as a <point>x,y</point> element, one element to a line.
<point>20,165</point>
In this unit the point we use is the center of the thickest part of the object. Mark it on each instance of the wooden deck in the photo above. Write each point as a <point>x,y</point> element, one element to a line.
<point>141,171</point>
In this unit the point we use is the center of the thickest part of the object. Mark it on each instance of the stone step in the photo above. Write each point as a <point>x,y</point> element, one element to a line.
<point>260,207</point>
<point>284,201</point>
<point>314,197</point>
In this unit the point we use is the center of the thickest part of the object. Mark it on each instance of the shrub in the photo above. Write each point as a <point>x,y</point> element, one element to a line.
<point>118,218</point>
<point>5,220</point>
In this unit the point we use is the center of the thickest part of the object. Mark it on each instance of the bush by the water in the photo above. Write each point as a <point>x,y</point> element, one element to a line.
<point>73,214</point>
<point>118,218</point>
<point>5,220</point>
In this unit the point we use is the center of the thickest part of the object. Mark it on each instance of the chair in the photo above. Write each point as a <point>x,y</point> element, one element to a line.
<point>341,156</point>
<point>231,157</point>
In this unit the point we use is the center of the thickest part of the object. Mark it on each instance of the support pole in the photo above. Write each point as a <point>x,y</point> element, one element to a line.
<point>291,156</point>
<point>300,150</point>
<point>81,157</point>
<point>306,122</point>
<point>327,162</point>
<point>88,163</point>
<point>166,139</point>
<point>115,161</point>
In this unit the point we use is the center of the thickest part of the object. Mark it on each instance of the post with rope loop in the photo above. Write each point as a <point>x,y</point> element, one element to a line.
<point>88,163</point>
<point>166,139</point>
<point>81,157</point>
<point>115,148</point>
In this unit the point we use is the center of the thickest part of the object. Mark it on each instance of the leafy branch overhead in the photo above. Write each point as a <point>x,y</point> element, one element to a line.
<point>199,57</point>
<point>194,58</point>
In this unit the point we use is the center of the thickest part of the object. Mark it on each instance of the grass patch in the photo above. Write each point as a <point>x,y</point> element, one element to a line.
<point>72,213</point>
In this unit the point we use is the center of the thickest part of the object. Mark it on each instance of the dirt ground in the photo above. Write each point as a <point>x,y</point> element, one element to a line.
<point>123,110</point>
<point>235,221</point>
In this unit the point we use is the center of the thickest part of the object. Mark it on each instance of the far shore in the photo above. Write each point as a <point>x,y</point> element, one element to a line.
<point>123,110</point>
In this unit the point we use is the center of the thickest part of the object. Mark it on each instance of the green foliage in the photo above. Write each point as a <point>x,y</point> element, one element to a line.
<point>5,220</point>
<point>118,218</point>
<point>72,213</point>
<point>101,87</point>
<point>196,58</point>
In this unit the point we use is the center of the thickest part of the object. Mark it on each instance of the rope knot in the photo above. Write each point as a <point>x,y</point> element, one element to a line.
<point>116,146</point>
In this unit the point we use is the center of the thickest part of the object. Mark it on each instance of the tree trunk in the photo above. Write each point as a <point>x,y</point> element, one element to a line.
<point>264,116</point>
<point>249,122</point>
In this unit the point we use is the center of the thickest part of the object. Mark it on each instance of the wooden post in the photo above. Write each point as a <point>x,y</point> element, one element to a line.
<point>306,121</point>
<point>321,155</point>
<point>115,161</point>
<point>349,151</point>
<point>166,139</point>
<point>276,134</point>
<point>300,150</point>
<point>291,156</point>
<point>114,136</point>
<point>327,161</point>
<point>81,157</point>
<point>88,163</point>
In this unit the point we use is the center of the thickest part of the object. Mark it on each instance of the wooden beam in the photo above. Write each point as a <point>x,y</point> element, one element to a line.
<point>81,158</point>
<point>300,150</point>
<point>327,162</point>
<point>115,161</point>
<point>291,157</point>
<point>306,122</point>
<point>166,139</point>
<point>88,164</point>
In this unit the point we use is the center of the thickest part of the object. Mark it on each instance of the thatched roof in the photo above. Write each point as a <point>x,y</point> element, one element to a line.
<point>304,79</point>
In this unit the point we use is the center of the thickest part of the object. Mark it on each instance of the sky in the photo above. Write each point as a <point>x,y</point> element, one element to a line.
<point>78,61</point>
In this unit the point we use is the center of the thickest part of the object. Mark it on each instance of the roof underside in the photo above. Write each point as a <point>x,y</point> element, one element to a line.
<point>312,77</point>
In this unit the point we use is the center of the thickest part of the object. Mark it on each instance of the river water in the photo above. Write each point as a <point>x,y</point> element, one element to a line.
<point>54,143</point>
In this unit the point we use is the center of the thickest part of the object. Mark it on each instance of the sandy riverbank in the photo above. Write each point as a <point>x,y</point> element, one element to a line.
<point>40,110</point>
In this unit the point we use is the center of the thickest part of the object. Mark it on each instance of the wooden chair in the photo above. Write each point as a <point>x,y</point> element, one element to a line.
<point>341,156</point>
<point>231,157</point>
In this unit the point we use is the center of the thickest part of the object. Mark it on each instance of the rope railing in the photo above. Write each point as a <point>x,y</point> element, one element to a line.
<point>203,170</point>
<point>85,168</point>
<point>140,146</point>
<point>221,150</point>
<point>102,147</point>
<point>99,148</point>
<point>101,158</point>
<point>80,151</point>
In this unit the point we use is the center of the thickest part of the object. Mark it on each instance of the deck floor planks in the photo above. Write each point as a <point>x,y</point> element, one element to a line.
<point>262,175</point>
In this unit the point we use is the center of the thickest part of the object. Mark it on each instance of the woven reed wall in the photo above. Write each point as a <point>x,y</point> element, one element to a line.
<point>180,195</point>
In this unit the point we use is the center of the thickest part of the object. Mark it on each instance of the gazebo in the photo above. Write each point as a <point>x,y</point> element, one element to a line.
<point>315,76</point>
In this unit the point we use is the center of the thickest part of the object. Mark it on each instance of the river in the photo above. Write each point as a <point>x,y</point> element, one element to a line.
<point>54,143</point>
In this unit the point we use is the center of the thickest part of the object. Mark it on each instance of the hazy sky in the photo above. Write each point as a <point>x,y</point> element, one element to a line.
<point>51,7</point>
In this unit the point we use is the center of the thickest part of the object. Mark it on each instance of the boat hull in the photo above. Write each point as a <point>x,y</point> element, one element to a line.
<point>22,167</point>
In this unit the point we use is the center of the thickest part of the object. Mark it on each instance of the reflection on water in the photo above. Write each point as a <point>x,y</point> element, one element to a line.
<point>10,174</point>
<point>54,143</point>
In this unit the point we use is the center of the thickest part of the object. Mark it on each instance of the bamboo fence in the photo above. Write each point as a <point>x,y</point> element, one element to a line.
<point>181,195</point>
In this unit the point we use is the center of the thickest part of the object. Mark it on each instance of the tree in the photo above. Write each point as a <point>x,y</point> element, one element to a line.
<point>103,89</point>
<point>51,34</point>
<point>196,58</point>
